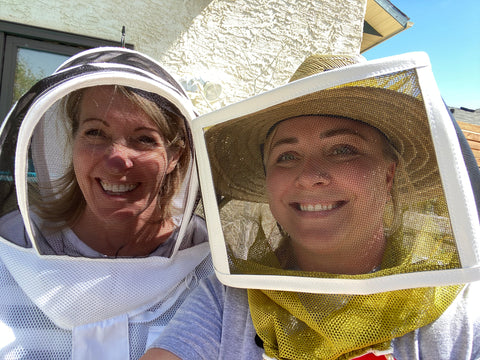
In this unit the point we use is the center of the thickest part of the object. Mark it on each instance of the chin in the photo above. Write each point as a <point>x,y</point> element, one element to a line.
<point>315,239</point>
<point>120,215</point>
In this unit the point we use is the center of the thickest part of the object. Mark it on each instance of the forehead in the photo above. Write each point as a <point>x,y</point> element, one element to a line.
<point>107,102</point>
<point>321,125</point>
<point>102,96</point>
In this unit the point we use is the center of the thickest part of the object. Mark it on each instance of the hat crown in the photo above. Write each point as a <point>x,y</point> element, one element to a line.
<point>318,63</point>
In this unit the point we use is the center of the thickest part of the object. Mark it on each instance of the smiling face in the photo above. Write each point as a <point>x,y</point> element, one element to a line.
<point>119,158</point>
<point>328,180</point>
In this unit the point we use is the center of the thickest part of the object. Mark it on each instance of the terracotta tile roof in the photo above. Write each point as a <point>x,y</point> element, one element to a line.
<point>469,122</point>
<point>472,133</point>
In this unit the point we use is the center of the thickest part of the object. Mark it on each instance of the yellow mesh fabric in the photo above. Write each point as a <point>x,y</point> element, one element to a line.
<point>312,326</point>
<point>296,325</point>
<point>405,82</point>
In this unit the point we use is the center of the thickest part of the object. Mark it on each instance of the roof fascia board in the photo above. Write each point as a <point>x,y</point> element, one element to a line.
<point>394,12</point>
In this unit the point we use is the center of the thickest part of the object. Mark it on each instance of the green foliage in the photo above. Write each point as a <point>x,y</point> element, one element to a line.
<point>25,78</point>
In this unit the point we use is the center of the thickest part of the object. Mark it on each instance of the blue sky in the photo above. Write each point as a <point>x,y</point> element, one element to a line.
<point>449,32</point>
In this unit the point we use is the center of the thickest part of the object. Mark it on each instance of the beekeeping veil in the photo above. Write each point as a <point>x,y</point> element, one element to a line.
<point>431,224</point>
<point>75,291</point>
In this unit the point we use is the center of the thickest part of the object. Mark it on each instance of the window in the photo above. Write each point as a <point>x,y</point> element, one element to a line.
<point>28,54</point>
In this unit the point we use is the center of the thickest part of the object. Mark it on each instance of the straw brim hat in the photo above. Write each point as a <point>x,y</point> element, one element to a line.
<point>235,146</point>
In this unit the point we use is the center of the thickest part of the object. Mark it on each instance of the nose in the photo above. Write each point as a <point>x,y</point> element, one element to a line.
<point>313,172</point>
<point>118,158</point>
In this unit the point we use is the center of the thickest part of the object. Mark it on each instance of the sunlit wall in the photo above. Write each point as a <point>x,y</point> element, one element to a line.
<point>224,50</point>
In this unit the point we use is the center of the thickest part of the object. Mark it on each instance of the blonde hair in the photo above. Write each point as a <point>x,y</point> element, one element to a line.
<point>66,205</point>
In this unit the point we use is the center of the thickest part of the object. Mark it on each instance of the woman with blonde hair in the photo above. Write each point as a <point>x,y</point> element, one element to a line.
<point>99,243</point>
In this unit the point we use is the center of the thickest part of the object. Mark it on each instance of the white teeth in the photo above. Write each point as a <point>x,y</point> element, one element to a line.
<point>317,207</point>
<point>117,188</point>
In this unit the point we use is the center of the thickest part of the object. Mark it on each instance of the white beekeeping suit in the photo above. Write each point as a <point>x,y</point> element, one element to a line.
<point>59,298</point>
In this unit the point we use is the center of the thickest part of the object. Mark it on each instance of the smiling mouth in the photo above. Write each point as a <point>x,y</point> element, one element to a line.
<point>318,207</point>
<point>117,188</point>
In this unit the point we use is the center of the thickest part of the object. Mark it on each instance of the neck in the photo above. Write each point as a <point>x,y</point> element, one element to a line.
<point>348,261</point>
<point>126,239</point>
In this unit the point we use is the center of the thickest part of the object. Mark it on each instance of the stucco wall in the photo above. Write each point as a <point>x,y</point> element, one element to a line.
<point>244,46</point>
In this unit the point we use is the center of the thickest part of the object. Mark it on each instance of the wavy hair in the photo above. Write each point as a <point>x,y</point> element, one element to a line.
<point>66,204</point>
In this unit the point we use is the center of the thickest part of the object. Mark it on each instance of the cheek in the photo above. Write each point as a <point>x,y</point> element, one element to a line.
<point>366,180</point>
<point>275,181</point>
<point>85,161</point>
<point>152,164</point>
<point>277,187</point>
<point>82,174</point>
<point>375,185</point>
<point>271,187</point>
<point>83,152</point>
<point>79,160</point>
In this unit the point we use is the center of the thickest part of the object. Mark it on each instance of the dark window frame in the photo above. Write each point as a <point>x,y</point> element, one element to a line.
<point>15,35</point>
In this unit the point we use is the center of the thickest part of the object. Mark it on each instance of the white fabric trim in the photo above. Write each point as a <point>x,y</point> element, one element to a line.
<point>106,340</point>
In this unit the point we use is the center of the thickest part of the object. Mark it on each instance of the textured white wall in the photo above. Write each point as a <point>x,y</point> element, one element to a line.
<point>249,46</point>
<point>245,46</point>
<point>152,25</point>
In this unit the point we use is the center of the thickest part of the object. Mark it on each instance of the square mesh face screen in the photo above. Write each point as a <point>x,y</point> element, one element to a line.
<point>340,182</point>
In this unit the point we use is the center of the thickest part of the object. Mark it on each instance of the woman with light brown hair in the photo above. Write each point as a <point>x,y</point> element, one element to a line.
<point>102,246</point>
<point>160,148</point>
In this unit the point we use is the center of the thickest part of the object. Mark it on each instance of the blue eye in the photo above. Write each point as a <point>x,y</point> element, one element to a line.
<point>344,150</point>
<point>286,157</point>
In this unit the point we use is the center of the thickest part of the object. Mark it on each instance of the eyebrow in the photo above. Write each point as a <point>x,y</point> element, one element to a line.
<point>323,135</point>
<point>147,128</point>
<point>341,131</point>
<point>288,140</point>
<point>108,125</point>
<point>90,119</point>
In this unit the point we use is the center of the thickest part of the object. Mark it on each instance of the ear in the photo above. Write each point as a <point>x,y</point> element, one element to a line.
<point>391,175</point>
<point>173,158</point>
